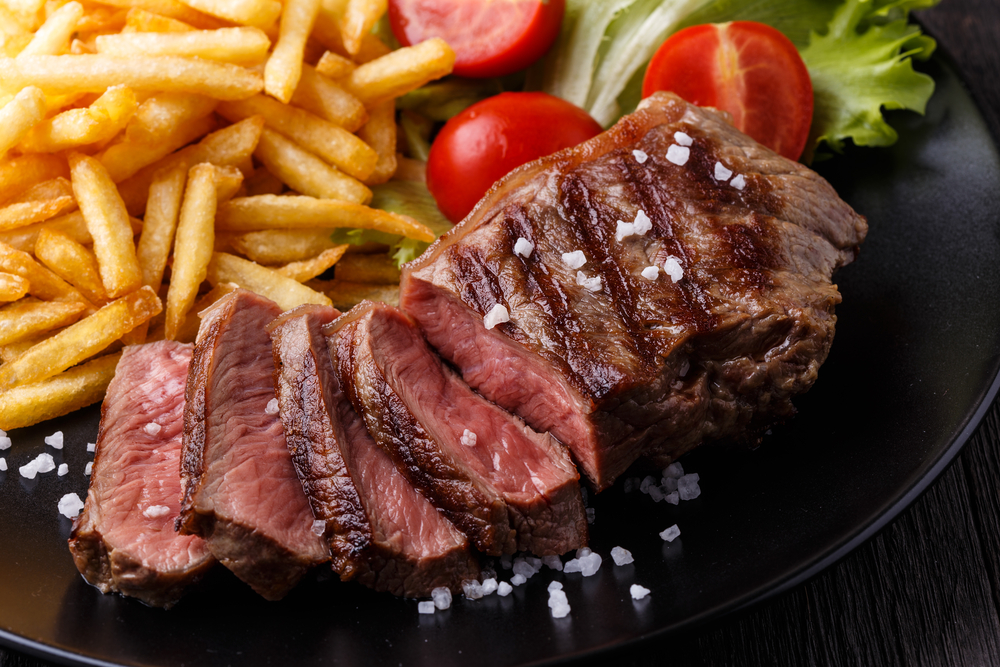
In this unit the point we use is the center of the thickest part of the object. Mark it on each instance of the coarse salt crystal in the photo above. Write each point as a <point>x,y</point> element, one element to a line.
<point>675,470</point>
<point>468,438</point>
<point>575,259</point>
<point>672,267</point>
<point>553,562</point>
<point>504,589</point>
<point>656,493</point>
<point>589,565</point>
<point>642,223</point>
<point>523,247</point>
<point>590,284</point>
<point>687,487</point>
<point>41,463</point>
<point>91,446</point>
<point>554,586</point>
<point>4,441</point>
<point>55,441</point>
<point>88,468</point>
<point>442,597</point>
<point>572,565</point>
<point>583,552</point>
<point>498,315</point>
<point>683,138</point>
<point>558,604</point>
<point>673,498</point>
<point>651,272</point>
<point>517,579</point>
<point>425,607</point>
<point>678,155</point>
<point>670,534</point>
<point>472,589</point>
<point>525,568</point>
<point>3,465</point>
<point>647,482</point>
<point>624,230</point>
<point>152,428</point>
<point>638,592</point>
<point>489,586</point>
<point>63,469</point>
<point>318,527</point>
<point>739,182</point>
<point>722,173</point>
<point>155,511</point>
<point>668,484</point>
<point>621,556</point>
<point>640,156</point>
<point>272,407</point>
<point>70,505</point>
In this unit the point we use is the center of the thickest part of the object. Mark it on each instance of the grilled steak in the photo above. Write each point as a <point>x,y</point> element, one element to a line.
<point>241,492</point>
<point>614,363</point>
<point>124,540</point>
<point>505,486</point>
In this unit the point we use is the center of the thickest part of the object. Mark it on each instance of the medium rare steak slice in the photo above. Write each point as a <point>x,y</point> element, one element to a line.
<point>505,486</point>
<point>677,287</point>
<point>241,492</point>
<point>381,531</point>
<point>124,540</point>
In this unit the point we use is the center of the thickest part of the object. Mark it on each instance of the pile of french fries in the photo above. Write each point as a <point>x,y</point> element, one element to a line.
<point>156,154</point>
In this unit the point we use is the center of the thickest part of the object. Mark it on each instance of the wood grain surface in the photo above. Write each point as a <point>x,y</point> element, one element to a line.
<point>926,590</point>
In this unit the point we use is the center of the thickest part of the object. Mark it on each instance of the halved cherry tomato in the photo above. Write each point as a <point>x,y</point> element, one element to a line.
<point>480,145</point>
<point>490,37</point>
<point>750,70</point>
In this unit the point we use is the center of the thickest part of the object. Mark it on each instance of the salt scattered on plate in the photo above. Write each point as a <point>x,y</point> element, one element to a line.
<point>670,534</point>
<point>621,556</point>
<point>70,505</point>
<point>40,464</point>
<point>442,597</point>
<point>4,440</point>
<point>63,469</point>
<point>425,607</point>
<point>638,592</point>
<point>55,441</point>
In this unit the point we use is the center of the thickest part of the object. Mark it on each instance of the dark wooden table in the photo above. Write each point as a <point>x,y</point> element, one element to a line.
<point>926,591</point>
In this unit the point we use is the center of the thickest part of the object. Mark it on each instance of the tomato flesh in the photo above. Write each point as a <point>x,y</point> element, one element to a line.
<point>490,37</point>
<point>750,70</point>
<point>482,144</point>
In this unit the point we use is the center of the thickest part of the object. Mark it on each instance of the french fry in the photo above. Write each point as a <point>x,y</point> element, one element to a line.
<point>335,65</point>
<point>72,225</point>
<point>310,268</point>
<point>332,143</point>
<point>140,20</point>
<point>81,340</point>
<point>228,182</point>
<point>171,9</point>
<point>193,245</point>
<point>188,331</point>
<point>46,200</point>
<point>55,34</point>
<point>399,72</point>
<point>380,133</point>
<point>21,173</point>
<point>259,13</point>
<point>287,293</point>
<point>109,225</point>
<point>96,73</point>
<point>378,269</point>
<point>98,20</point>
<point>306,173</point>
<point>281,246</point>
<point>30,316</point>
<point>97,123</point>
<point>249,214</point>
<point>159,116</point>
<point>58,395</point>
<point>319,95</point>
<point>263,182</point>
<point>284,67</point>
<point>125,158</point>
<point>239,46</point>
<point>72,262</point>
<point>360,16</point>
<point>12,287</point>
<point>160,224</point>
<point>345,295</point>
<point>19,115</point>
<point>43,283</point>
<point>371,48</point>
<point>326,28</point>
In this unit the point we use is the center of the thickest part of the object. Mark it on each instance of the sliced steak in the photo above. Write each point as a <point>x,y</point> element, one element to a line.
<point>124,540</point>
<point>505,486</point>
<point>241,492</point>
<point>611,362</point>
<point>381,531</point>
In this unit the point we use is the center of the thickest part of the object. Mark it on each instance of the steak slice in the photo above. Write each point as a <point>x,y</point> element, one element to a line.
<point>630,365</point>
<point>505,486</point>
<point>124,540</point>
<point>381,531</point>
<point>241,492</point>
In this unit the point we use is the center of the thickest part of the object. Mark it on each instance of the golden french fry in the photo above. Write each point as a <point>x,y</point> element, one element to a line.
<point>109,225</point>
<point>21,173</point>
<point>72,225</point>
<point>400,71</point>
<point>284,67</point>
<point>230,146</point>
<point>378,269</point>
<point>100,20</point>
<point>171,9</point>
<point>335,65</point>
<point>43,283</point>
<point>72,262</point>
<point>58,395</point>
<point>81,340</point>
<point>306,173</point>
<point>281,246</point>
<point>240,46</point>
<point>160,224</point>
<point>332,143</point>
<point>319,95</point>
<point>55,34</point>
<point>159,116</point>
<point>12,287</point>
<point>19,115</point>
<point>358,19</point>
<point>125,158</point>
<point>263,182</point>
<point>310,268</point>
<point>371,48</point>
<point>226,268</point>
<point>259,13</point>
<point>140,20</point>
<point>54,188</point>
<point>188,332</point>
<point>326,29</point>
<point>96,73</point>
<point>45,200</point>
<point>193,245</point>
<point>99,122</point>
<point>30,316</point>
<point>248,214</point>
<point>380,133</point>
<point>345,295</point>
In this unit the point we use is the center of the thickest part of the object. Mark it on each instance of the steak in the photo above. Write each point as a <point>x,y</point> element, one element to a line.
<point>614,363</point>
<point>505,486</point>
<point>124,540</point>
<point>381,531</point>
<point>241,492</point>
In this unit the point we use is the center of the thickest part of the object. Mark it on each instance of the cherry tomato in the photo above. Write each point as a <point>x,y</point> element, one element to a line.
<point>750,70</point>
<point>490,37</point>
<point>483,143</point>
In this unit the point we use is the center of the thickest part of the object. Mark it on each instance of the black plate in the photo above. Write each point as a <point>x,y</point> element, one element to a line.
<point>913,368</point>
